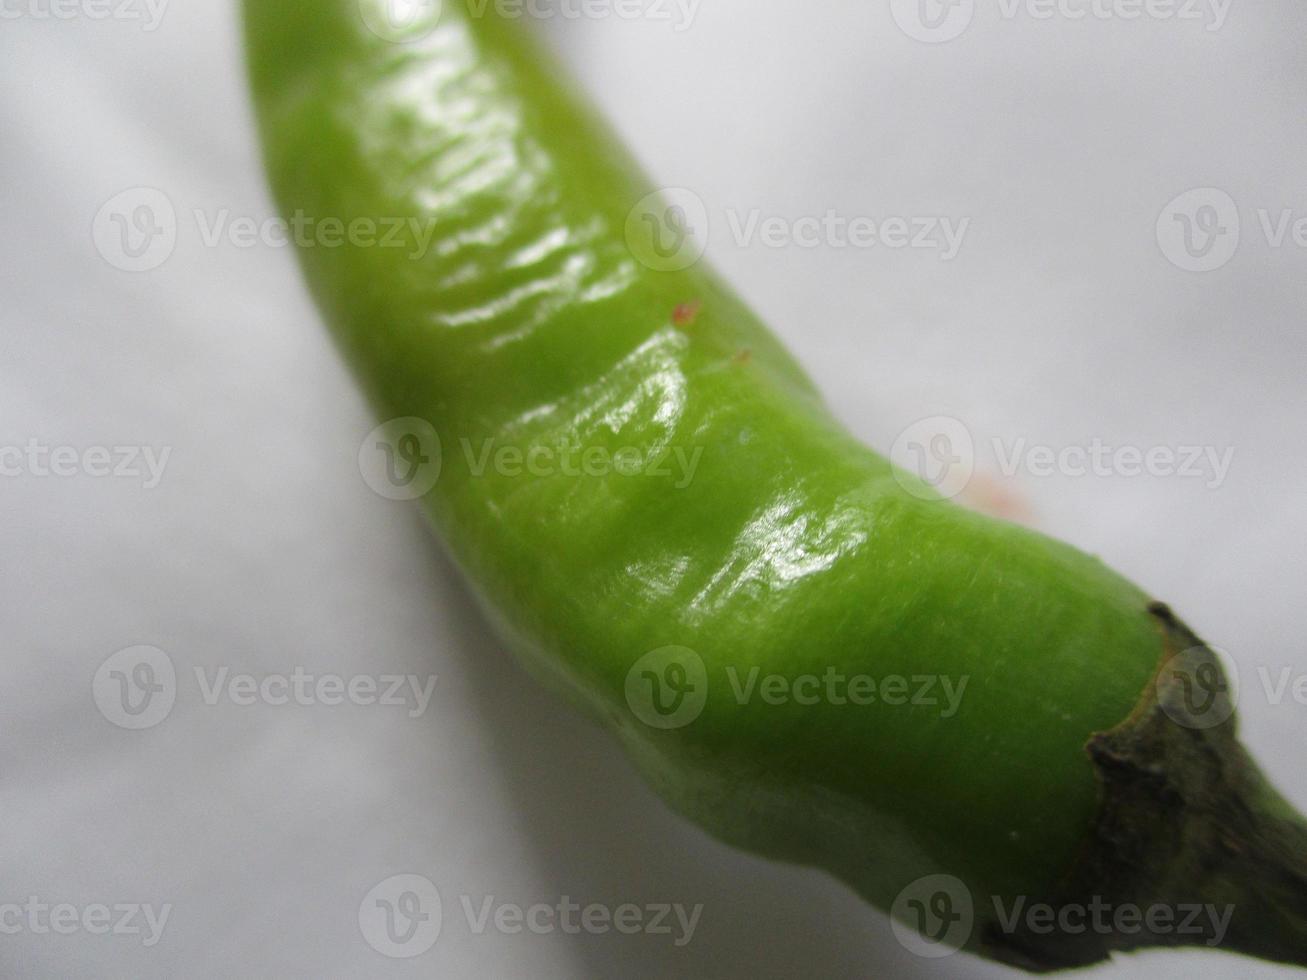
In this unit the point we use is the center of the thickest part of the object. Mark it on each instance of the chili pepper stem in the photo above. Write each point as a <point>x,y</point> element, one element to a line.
<point>1187,820</point>
<point>1262,872</point>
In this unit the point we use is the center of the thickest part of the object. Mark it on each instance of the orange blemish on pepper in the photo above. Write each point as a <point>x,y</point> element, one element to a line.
<point>743,356</point>
<point>994,498</point>
<point>686,313</point>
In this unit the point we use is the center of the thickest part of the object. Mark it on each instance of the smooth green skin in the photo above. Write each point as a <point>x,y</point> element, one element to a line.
<point>794,548</point>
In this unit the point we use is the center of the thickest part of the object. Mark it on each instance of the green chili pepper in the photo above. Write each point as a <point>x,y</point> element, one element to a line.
<point>661,517</point>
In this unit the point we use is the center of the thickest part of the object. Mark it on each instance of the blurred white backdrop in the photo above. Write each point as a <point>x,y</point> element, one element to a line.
<point>1061,145</point>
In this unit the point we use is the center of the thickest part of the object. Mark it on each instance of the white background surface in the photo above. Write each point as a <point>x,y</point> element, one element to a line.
<point>262,550</point>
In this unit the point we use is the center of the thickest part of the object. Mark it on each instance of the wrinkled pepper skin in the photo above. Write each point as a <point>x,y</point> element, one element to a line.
<point>530,322</point>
